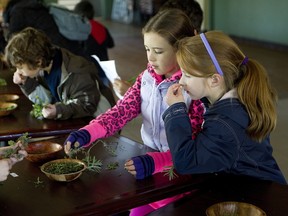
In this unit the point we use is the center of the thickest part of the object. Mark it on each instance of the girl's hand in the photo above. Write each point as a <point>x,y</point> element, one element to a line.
<point>129,166</point>
<point>49,111</point>
<point>140,166</point>
<point>76,139</point>
<point>15,153</point>
<point>174,94</point>
<point>5,166</point>
<point>121,86</point>
<point>7,163</point>
<point>18,78</point>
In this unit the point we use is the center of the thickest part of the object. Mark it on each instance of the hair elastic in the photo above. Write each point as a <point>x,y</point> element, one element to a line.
<point>211,54</point>
<point>245,61</point>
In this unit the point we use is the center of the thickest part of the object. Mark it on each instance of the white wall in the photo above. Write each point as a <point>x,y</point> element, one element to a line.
<point>70,4</point>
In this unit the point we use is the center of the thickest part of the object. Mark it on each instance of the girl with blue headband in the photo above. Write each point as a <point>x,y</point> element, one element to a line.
<point>240,111</point>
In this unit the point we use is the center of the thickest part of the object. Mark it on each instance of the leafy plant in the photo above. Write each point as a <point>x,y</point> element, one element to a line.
<point>37,108</point>
<point>169,171</point>
<point>38,182</point>
<point>21,143</point>
<point>113,165</point>
<point>91,162</point>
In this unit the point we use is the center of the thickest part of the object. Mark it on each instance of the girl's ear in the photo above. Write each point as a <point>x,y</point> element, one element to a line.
<point>215,80</point>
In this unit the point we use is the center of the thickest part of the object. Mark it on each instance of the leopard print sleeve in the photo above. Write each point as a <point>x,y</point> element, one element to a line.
<point>124,111</point>
<point>196,111</point>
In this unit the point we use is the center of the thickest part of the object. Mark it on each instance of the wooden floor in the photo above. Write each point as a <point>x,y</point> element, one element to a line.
<point>130,58</point>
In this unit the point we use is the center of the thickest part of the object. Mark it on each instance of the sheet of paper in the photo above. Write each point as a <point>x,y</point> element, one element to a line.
<point>110,71</point>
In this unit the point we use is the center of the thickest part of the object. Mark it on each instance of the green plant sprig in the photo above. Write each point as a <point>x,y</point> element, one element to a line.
<point>13,152</point>
<point>169,171</point>
<point>112,165</point>
<point>38,182</point>
<point>37,108</point>
<point>92,163</point>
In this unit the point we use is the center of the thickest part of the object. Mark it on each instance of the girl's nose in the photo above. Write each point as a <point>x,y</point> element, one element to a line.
<point>150,56</point>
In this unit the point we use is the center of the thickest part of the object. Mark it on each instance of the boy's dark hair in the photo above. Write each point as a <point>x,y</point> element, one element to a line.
<point>85,9</point>
<point>31,47</point>
<point>190,7</point>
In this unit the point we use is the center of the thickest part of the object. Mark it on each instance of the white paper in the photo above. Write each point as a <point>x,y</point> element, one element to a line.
<point>110,71</point>
<point>14,174</point>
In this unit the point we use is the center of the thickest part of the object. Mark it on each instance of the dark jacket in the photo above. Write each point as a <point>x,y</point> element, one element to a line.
<point>20,14</point>
<point>223,144</point>
<point>34,14</point>
<point>79,90</point>
<point>98,41</point>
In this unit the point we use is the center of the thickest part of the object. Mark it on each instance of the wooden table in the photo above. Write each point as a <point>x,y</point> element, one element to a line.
<point>270,197</point>
<point>20,121</point>
<point>108,192</point>
<point>7,75</point>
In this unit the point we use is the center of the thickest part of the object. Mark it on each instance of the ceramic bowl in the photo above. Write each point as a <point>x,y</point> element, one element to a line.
<point>6,108</point>
<point>63,170</point>
<point>42,151</point>
<point>233,209</point>
<point>9,97</point>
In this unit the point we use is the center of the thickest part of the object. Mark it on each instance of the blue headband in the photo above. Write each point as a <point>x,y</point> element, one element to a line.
<point>210,52</point>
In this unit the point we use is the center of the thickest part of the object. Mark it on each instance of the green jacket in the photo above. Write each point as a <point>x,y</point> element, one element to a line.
<point>81,91</point>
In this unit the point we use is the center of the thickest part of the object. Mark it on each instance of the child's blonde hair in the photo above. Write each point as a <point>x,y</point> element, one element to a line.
<point>249,77</point>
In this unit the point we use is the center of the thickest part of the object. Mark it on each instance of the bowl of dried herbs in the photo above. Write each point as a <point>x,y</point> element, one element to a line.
<point>63,170</point>
<point>6,108</point>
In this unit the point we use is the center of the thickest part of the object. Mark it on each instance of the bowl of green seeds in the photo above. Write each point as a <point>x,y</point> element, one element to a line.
<point>6,108</point>
<point>63,170</point>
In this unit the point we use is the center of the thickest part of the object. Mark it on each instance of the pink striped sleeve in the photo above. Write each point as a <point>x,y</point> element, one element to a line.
<point>161,160</point>
<point>95,130</point>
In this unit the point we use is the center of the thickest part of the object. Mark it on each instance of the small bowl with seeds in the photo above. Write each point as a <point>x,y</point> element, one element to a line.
<point>6,108</point>
<point>63,170</point>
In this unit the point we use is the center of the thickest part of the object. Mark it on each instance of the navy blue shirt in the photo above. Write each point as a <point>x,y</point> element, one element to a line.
<point>53,78</point>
